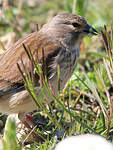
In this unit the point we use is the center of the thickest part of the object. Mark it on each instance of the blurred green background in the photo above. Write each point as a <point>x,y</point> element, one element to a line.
<point>26,13</point>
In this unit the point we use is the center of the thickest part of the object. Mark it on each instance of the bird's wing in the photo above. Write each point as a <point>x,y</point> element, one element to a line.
<point>10,77</point>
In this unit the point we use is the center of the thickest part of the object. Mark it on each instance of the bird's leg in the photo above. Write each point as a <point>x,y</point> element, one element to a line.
<point>28,122</point>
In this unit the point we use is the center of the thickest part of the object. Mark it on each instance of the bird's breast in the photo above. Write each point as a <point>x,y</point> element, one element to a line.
<point>67,62</point>
<point>69,65</point>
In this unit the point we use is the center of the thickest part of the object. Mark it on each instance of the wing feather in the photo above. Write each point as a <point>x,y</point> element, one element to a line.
<point>10,77</point>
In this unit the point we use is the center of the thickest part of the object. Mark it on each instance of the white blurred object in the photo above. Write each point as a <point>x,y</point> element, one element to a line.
<point>1,144</point>
<point>84,142</point>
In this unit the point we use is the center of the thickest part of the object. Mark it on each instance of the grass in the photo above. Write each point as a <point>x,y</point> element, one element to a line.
<point>85,105</point>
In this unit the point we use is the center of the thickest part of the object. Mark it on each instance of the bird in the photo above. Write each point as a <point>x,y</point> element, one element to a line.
<point>60,38</point>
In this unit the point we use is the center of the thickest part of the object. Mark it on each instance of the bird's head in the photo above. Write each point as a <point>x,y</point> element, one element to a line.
<point>69,26</point>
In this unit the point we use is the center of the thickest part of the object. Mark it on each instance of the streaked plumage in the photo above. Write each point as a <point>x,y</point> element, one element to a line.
<point>60,38</point>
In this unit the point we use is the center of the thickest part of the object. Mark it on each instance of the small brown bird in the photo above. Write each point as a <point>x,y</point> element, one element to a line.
<point>60,38</point>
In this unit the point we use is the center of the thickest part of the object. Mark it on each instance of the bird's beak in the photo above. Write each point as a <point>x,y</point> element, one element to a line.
<point>90,30</point>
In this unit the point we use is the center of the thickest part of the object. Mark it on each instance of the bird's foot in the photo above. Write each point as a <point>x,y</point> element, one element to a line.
<point>30,124</point>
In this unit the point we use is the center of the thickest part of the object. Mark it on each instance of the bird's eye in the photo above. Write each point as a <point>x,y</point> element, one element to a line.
<point>76,24</point>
